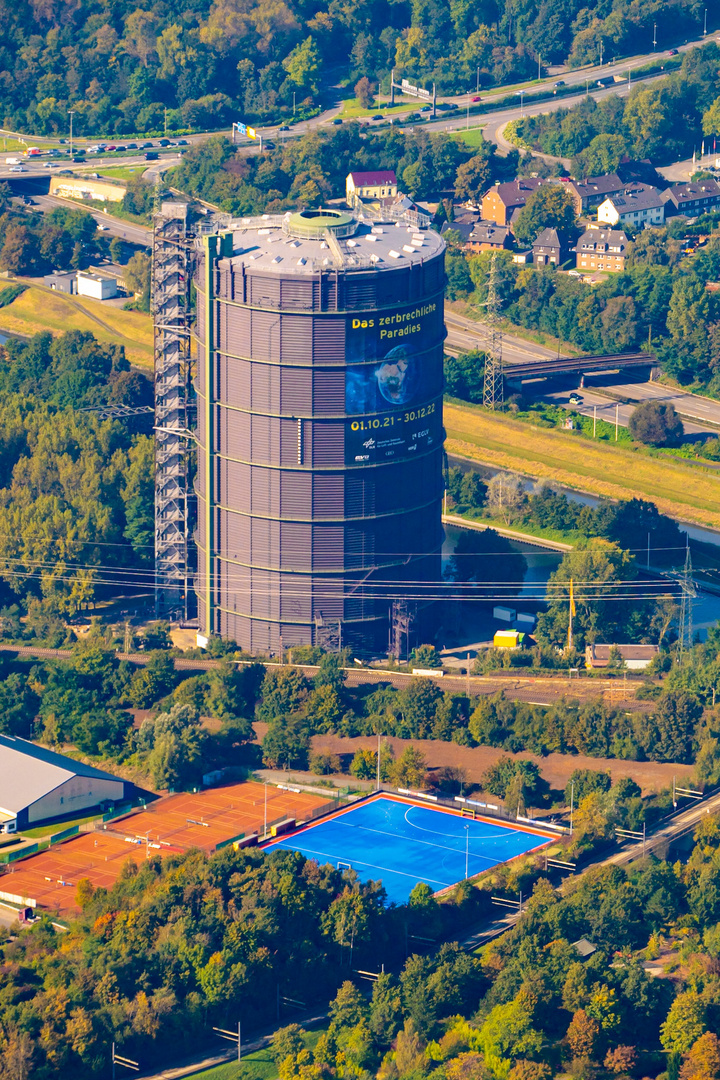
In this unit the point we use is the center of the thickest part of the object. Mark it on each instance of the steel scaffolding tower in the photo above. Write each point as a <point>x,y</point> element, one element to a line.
<point>493,385</point>
<point>171,277</point>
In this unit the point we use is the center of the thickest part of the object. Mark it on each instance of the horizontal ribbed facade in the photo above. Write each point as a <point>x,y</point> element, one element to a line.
<point>319,437</point>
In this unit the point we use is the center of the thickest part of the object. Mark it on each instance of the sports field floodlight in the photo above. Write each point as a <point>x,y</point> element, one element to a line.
<point>231,1036</point>
<point>127,1063</point>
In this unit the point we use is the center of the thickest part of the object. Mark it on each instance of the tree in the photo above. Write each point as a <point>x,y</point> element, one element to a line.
<point>303,65</point>
<point>410,769</point>
<point>656,423</point>
<point>153,681</point>
<point>583,1035</point>
<point>685,1022</point>
<point>702,1061</point>
<point>425,656</point>
<point>287,1042</point>
<point>285,744</point>
<point>137,278</point>
<point>600,613</point>
<point>621,1060</point>
<point>505,495</point>
<point>84,892</point>
<point>364,92</point>
<point>549,207</point>
<point>671,731</point>
<point>364,764</point>
<point>475,177</point>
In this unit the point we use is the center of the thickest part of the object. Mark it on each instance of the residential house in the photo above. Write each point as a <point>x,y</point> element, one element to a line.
<point>601,249</point>
<point>639,206</point>
<point>380,184</point>
<point>480,235</point>
<point>635,657</point>
<point>693,198</point>
<point>549,247</point>
<point>588,194</point>
<point>503,202</point>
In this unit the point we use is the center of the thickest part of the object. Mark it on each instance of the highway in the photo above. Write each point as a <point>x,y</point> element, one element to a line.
<point>701,416</point>
<point>467,334</point>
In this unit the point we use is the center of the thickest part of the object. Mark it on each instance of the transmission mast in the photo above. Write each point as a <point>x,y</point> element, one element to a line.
<point>171,277</point>
<point>688,594</point>
<point>493,386</point>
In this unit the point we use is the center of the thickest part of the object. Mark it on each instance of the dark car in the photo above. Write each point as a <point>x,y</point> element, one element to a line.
<point>268,145</point>
<point>338,120</point>
<point>673,52</point>
<point>131,146</point>
<point>284,127</point>
<point>145,145</point>
<point>428,108</point>
<point>377,116</point>
<point>152,155</point>
<point>80,157</point>
<point>451,105</point>
<point>560,82</point>
<point>163,142</point>
<point>182,142</point>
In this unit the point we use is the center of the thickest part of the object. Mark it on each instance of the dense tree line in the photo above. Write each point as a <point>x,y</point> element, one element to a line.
<point>76,492</point>
<point>306,171</point>
<point>63,239</point>
<point>129,69</point>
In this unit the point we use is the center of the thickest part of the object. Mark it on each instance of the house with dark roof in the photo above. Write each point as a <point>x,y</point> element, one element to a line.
<point>378,184</point>
<point>590,193</point>
<point>549,247</point>
<point>638,206</point>
<point>480,235</point>
<point>36,785</point>
<point>692,199</point>
<point>601,249</point>
<point>503,201</point>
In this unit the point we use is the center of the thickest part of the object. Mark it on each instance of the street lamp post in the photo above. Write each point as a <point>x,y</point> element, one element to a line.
<point>477,82</point>
<point>467,849</point>
<point>521,92</point>
<point>72,113</point>
<point>705,23</point>
<point>654,35</point>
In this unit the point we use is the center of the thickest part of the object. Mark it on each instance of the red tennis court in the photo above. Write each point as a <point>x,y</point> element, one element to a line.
<point>176,823</point>
<point>207,818</point>
<point>51,877</point>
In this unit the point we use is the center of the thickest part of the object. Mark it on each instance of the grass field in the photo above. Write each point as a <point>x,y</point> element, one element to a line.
<point>122,172</point>
<point>256,1066</point>
<point>607,470</point>
<point>43,309</point>
<point>50,830</point>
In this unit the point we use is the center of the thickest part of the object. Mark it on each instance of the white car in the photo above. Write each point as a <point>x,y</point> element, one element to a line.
<point>16,168</point>
<point>104,228</point>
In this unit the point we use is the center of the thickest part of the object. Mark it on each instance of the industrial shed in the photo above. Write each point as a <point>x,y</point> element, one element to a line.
<point>37,785</point>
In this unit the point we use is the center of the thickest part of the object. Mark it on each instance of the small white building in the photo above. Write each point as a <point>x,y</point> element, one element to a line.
<point>96,286</point>
<point>635,657</point>
<point>639,206</point>
<point>36,784</point>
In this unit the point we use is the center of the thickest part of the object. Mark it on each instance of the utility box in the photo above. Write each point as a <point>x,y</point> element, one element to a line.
<point>526,618</point>
<point>505,614</point>
<point>509,639</point>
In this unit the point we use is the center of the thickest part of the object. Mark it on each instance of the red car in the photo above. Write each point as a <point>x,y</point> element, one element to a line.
<point>476,99</point>
<point>108,148</point>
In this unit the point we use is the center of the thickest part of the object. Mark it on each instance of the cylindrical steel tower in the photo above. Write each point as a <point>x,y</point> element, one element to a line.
<point>319,482</point>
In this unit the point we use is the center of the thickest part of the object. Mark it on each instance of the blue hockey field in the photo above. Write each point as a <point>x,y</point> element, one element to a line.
<point>402,842</point>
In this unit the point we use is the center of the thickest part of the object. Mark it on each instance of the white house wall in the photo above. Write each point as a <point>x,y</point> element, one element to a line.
<point>76,794</point>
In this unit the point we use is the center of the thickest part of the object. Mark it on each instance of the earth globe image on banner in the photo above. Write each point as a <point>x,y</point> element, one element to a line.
<point>397,376</point>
